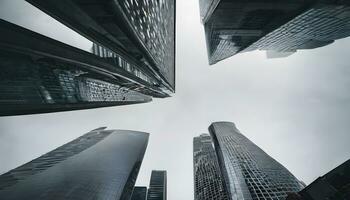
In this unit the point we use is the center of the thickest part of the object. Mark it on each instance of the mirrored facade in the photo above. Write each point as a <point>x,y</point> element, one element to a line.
<point>208,181</point>
<point>158,185</point>
<point>142,33</point>
<point>279,27</point>
<point>249,173</point>
<point>102,164</point>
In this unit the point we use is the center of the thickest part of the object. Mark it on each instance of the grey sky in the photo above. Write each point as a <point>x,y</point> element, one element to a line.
<point>297,109</point>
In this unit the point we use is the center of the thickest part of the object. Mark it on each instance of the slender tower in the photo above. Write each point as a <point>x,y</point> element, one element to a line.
<point>102,164</point>
<point>249,173</point>
<point>158,186</point>
<point>208,182</point>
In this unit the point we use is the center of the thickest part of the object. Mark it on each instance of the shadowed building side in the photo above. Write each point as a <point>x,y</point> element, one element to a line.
<point>139,193</point>
<point>40,75</point>
<point>102,164</point>
<point>158,185</point>
<point>335,185</point>
<point>140,32</point>
<point>280,27</point>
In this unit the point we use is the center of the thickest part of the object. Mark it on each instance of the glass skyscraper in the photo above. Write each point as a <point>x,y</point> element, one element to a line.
<point>208,182</point>
<point>335,185</point>
<point>279,27</point>
<point>245,171</point>
<point>139,193</point>
<point>248,171</point>
<point>102,164</point>
<point>132,57</point>
<point>158,186</point>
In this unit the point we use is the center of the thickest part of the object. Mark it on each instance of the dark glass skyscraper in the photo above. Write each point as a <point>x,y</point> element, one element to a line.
<point>132,57</point>
<point>280,27</point>
<point>335,185</point>
<point>102,164</point>
<point>139,193</point>
<point>249,173</point>
<point>208,182</point>
<point>158,186</point>
<point>142,33</point>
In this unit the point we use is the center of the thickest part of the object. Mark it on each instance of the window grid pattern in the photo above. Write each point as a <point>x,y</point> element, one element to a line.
<point>250,172</point>
<point>154,23</point>
<point>314,28</point>
<point>119,61</point>
<point>52,158</point>
<point>208,182</point>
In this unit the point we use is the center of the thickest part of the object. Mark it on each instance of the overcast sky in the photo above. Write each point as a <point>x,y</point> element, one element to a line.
<point>297,109</point>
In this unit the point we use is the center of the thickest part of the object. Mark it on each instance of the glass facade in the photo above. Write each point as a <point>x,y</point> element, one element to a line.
<point>26,82</point>
<point>138,34</point>
<point>249,173</point>
<point>158,186</point>
<point>77,170</point>
<point>332,186</point>
<point>139,193</point>
<point>280,27</point>
<point>316,27</point>
<point>208,182</point>
<point>153,21</point>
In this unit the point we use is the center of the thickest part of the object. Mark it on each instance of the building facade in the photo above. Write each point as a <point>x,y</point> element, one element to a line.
<point>132,58</point>
<point>102,164</point>
<point>158,186</point>
<point>335,185</point>
<point>279,27</point>
<point>139,193</point>
<point>141,33</point>
<point>249,173</point>
<point>208,182</point>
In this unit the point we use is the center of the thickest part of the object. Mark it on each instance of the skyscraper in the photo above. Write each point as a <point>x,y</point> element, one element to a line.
<point>279,27</point>
<point>132,57</point>
<point>139,193</point>
<point>335,185</point>
<point>102,164</point>
<point>208,182</point>
<point>158,186</point>
<point>249,173</point>
<point>141,33</point>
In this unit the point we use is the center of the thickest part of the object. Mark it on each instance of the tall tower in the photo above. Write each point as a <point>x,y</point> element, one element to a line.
<point>158,185</point>
<point>132,57</point>
<point>102,164</point>
<point>279,27</point>
<point>249,173</point>
<point>208,182</point>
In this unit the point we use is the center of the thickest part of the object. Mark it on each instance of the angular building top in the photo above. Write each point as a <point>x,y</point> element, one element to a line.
<point>249,173</point>
<point>335,185</point>
<point>102,164</point>
<point>158,186</point>
<point>208,181</point>
<point>140,32</point>
<point>280,27</point>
